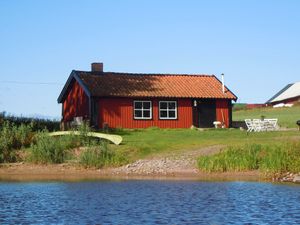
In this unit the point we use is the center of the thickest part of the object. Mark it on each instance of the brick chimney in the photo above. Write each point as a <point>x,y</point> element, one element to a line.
<point>97,67</point>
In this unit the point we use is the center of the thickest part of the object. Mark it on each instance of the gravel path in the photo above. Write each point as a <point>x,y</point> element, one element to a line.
<point>172,164</point>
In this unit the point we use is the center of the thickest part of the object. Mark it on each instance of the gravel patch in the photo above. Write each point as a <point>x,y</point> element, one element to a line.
<point>172,164</point>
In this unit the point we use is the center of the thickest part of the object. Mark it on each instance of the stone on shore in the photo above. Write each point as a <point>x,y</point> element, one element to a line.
<point>296,179</point>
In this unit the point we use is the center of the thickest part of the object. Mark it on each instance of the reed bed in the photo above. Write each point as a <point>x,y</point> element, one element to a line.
<point>268,158</point>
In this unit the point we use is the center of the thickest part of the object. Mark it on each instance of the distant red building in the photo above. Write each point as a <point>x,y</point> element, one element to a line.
<point>130,100</point>
<point>290,94</point>
<point>254,106</point>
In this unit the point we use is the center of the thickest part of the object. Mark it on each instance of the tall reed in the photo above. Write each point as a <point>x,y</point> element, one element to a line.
<point>100,156</point>
<point>271,158</point>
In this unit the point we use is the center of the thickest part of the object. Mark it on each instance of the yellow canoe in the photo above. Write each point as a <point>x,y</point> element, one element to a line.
<point>116,139</point>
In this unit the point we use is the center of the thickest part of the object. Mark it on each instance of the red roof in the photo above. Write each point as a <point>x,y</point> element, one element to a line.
<point>152,85</point>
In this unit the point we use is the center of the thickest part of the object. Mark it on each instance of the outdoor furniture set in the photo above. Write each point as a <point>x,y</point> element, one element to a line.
<point>258,125</point>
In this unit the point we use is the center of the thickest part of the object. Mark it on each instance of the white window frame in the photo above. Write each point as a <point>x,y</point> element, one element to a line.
<point>142,109</point>
<point>174,110</point>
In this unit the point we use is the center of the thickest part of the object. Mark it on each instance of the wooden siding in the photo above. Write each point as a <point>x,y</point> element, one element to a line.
<point>76,103</point>
<point>223,111</point>
<point>118,112</point>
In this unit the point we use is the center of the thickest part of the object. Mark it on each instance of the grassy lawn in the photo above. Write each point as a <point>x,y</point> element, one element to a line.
<point>287,117</point>
<point>150,142</point>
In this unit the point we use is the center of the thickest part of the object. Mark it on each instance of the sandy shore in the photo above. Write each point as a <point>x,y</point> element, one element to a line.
<point>65,172</point>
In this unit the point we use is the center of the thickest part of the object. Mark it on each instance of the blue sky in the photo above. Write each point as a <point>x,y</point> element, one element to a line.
<point>255,43</point>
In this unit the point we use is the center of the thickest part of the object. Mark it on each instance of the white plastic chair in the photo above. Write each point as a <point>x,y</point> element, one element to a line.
<point>272,124</point>
<point>258,125</point>
<point>249,124</point>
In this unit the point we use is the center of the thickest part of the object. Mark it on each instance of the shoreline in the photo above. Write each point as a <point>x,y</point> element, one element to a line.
<point>23,172</point>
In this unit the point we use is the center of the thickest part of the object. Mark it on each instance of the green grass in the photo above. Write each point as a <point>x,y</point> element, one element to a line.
<point>240,158</point>
<point>12,138</point>
<point>47,149</point>
<point>239,106</point>
<point>155,142</point>
<point>268,158</point>
<point>150,142</point>
<point>100,156</point>
<point>287,117</point>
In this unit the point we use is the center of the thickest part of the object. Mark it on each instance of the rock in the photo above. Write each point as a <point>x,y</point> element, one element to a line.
<point>296,179</point>
<point>286,179</point>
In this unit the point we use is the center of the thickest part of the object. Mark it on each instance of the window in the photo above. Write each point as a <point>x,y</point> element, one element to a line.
<point>143,110</point>
<point>168,110</point>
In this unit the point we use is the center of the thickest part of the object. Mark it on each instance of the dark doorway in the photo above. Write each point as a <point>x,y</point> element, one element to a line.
<point>206,113</point>
<point>94,113</point>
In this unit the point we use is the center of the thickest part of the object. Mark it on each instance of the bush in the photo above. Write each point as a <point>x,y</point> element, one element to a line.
<point>85,140</point>
<point>99,156</point>
<point>12,138</point>
<point>35,123</point>
<point>47,149</point>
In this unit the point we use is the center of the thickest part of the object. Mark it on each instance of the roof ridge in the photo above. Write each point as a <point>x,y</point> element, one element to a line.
<point>145,74</point>
<point>162,74</point>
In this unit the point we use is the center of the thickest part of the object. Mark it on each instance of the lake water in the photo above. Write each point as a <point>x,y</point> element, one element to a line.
<point>149,202</point>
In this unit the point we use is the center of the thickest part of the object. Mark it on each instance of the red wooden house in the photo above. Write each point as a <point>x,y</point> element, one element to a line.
<point>130,100</point>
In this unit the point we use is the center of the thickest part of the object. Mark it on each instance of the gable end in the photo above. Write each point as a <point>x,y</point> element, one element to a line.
<point>64,91</point>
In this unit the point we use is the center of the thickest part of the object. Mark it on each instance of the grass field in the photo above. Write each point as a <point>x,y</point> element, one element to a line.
<point>156,142</point>
<point>287,117</point>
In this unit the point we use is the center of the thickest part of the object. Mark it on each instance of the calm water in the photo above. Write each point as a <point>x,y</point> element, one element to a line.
<point>149,202</point>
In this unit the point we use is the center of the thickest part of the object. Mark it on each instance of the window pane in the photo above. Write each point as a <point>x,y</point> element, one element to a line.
<point>137,105</point>
<point>163,105</point>
<point>163,114</point>
<point>172,105</point>
<point>146,114</point>
<point>146,105</point>
<point>172,114</point>
<point>137,113</point>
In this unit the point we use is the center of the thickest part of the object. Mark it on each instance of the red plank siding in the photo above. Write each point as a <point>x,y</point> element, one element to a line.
<point>222,107</point>
<point>118,112</point>
<point>76,103</point>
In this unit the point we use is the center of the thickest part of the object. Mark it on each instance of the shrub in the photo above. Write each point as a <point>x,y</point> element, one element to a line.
<point>12,138</point>
<point>84,129</point>
<point>35,123</point>
<point>47,149</point>
<point>99,156</point>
